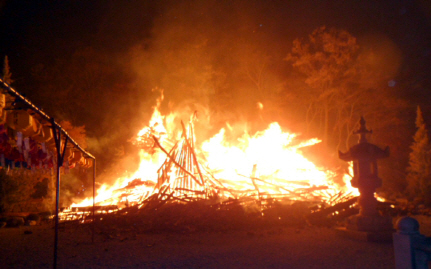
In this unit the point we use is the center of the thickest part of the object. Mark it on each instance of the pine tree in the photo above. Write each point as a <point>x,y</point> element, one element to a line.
<point>419,177</point>
<point>7,75</point>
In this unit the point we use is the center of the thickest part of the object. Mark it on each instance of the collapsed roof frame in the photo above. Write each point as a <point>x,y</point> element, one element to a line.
<point>58,131</point>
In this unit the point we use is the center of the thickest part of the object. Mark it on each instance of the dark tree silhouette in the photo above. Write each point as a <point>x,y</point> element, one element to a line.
<point>7,75</point>
<point>343,82</point>
<point>419,170</point>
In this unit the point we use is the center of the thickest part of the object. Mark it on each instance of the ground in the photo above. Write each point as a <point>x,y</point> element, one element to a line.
<point>282,247</point>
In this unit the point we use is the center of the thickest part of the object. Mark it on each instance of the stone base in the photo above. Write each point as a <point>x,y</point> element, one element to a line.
<point>375,223</point>
<point>375,228</point>
<point>379,236</point>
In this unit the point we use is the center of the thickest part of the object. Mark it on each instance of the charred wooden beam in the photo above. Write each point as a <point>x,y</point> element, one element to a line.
<point>90,208</point>
<point>321,215</point>
<point>176,163</point>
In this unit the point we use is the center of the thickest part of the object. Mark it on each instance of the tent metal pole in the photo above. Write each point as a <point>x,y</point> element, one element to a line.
<point>57,202</point>
<point>60,158</point>
<point>94,197</point>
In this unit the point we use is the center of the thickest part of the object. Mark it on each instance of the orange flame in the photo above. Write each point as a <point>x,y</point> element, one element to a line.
<point>268,162</point>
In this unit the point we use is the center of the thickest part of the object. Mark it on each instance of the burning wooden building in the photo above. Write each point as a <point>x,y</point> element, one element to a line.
<point>264,167</point>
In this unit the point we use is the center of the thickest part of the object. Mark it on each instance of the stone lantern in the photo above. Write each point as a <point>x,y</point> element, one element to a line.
<point>365,177</point>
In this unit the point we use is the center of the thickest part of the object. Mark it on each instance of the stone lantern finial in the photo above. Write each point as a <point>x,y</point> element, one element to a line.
<point>362,131</point>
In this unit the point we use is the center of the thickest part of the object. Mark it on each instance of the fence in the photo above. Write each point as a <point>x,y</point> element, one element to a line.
<point>412,249</point>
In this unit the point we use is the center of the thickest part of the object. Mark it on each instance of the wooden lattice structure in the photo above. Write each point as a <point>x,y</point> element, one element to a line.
<point>181,173</point>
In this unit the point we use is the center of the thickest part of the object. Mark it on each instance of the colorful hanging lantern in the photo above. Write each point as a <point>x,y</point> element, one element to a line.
<point>21,121</point>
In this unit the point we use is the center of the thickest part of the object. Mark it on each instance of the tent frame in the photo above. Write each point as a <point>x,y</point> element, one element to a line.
<point>58,132</point>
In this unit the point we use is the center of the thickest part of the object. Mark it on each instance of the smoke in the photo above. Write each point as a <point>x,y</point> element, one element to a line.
<point>210,54</point>
<point>382,56</point>
<point>223,59</point>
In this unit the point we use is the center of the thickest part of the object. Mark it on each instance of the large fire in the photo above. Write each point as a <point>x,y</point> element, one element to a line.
<point>268,163</point>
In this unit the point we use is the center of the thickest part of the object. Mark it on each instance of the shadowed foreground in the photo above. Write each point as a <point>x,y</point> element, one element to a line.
<point>309,247</point>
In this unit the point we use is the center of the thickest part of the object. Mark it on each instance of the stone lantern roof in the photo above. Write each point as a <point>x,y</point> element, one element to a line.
<point>363,150</point>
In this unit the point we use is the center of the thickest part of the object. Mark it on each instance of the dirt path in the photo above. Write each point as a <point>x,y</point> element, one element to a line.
<point>311,247</point>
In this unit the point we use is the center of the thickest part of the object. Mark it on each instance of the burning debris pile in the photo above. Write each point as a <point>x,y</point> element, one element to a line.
<point>181,178</point>
<point>263,171</point>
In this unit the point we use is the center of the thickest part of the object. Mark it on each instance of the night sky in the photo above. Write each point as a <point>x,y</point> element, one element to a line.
<point>39,31</point>
<point>155,43</point>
